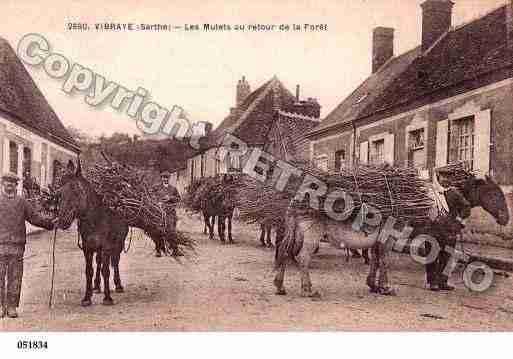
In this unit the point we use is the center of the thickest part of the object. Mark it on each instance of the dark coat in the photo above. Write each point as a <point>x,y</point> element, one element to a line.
<point>13,214</point>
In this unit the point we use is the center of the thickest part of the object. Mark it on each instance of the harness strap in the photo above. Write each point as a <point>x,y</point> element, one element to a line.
<point>392,207</point>
<point>129,241</point>
<point>79,245</point>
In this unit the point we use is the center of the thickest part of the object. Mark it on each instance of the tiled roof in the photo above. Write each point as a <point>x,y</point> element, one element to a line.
<point>21,98</point>
<point>288,131</point>
<point>463,54</point>
<point>255,116</point>
<point>351,108</point>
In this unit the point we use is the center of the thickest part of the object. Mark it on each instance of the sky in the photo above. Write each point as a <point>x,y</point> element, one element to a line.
<point>198,70</point>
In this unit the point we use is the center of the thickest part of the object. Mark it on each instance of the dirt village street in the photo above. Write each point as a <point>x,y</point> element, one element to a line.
<point>229,288</point>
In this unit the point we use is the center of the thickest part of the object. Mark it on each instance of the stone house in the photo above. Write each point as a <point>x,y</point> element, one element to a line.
<point>33,140</point>
<point>448,99</point>
<point>270,118</point>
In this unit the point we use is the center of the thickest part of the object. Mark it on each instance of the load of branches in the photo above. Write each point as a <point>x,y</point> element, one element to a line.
<point>454,174</point>
<point>221,190</point>
<point>393,191</point>
<point>261,203</point>
<point>125,190</point>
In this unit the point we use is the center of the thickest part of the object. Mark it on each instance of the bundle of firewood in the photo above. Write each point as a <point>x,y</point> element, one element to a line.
<point>453,174</point>
<point>261,203</point>
<point>125,190</point>
<point>220,190</point>
<point>394,191</point>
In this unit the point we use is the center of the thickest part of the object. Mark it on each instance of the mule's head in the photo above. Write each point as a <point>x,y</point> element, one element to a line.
<point>486,193</point>
<point>72,198</point>
<point>459,206</point>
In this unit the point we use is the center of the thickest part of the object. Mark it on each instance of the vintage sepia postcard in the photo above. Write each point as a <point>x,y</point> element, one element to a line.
<point>255,166</point>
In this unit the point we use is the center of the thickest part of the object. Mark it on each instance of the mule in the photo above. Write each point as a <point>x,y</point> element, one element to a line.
<point>265,234</point>
<point>224,214</point>
<point>303,234</point>
<point>266,228</point>
<point>102,231</point>
<point>220,205</point>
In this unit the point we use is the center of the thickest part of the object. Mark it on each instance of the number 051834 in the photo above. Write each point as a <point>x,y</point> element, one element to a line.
<point>32,344</point>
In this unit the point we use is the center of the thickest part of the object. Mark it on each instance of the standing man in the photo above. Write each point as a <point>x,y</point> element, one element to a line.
<point>14,211</point>
<point>168,198</point>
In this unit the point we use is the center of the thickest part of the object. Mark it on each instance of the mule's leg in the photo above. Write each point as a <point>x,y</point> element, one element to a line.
<point>268,235</point>
<point>383,284</point>
<point>107,299</point>
<point>374,262</point>
<point>304,259</point>
<point>229,219</point>
<point>278,280</point>
<point>211,222</point>
<point>365,255</point>
<point>88,255</point>
<point>309,245</point>
<point>117,279</point>
<point>221,228</point>
<point>262,235</point>
<point>97,276</point>
<point>206,219</point>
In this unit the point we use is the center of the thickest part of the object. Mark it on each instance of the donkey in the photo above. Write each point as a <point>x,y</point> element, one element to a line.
<point>303,234</point>
<point>102,231</point>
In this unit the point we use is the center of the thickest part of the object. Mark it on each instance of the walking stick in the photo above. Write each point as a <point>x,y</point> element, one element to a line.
<point>53,268</point>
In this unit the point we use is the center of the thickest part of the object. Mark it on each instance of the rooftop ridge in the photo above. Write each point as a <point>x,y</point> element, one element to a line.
<point>298,115</point>
<point>478,17</point>
<point>253,104</point>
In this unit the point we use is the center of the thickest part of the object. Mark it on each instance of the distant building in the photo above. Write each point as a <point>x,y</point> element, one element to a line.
<point>448,99</point>
<point>33,140</point>
<point>270,118</point>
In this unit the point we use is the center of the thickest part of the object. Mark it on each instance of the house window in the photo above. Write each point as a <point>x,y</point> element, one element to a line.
<point>13,157</point>
<point>377,155</point>
<point>27,162</point>
<point>340,159</point>
<point>416,145</point>
<point>217,167</point>
<point>462,141</point>
<point>57,171</point>
<point>322,162</point>
<point>203,163</point>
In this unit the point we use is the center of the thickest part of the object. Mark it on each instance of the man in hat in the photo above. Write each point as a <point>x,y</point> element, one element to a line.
<point>168,197</point>
<point>450,213</point>
<point>14,211</point>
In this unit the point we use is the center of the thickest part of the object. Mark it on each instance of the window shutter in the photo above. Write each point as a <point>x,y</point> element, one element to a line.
<point>442,132</point>
<point>482,133</point>
<point>389,149</point>
<point>454,138</point>
<point>364,152</point>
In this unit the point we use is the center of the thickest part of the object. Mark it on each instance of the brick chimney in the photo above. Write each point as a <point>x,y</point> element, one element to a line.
<point>436,20</point>
<point>243,91</point>
<point>382,46</point>
<point>208,128</point>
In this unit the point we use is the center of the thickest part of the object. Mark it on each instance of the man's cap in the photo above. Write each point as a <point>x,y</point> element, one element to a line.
<point>165,174</point>
<point>10,177</point>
